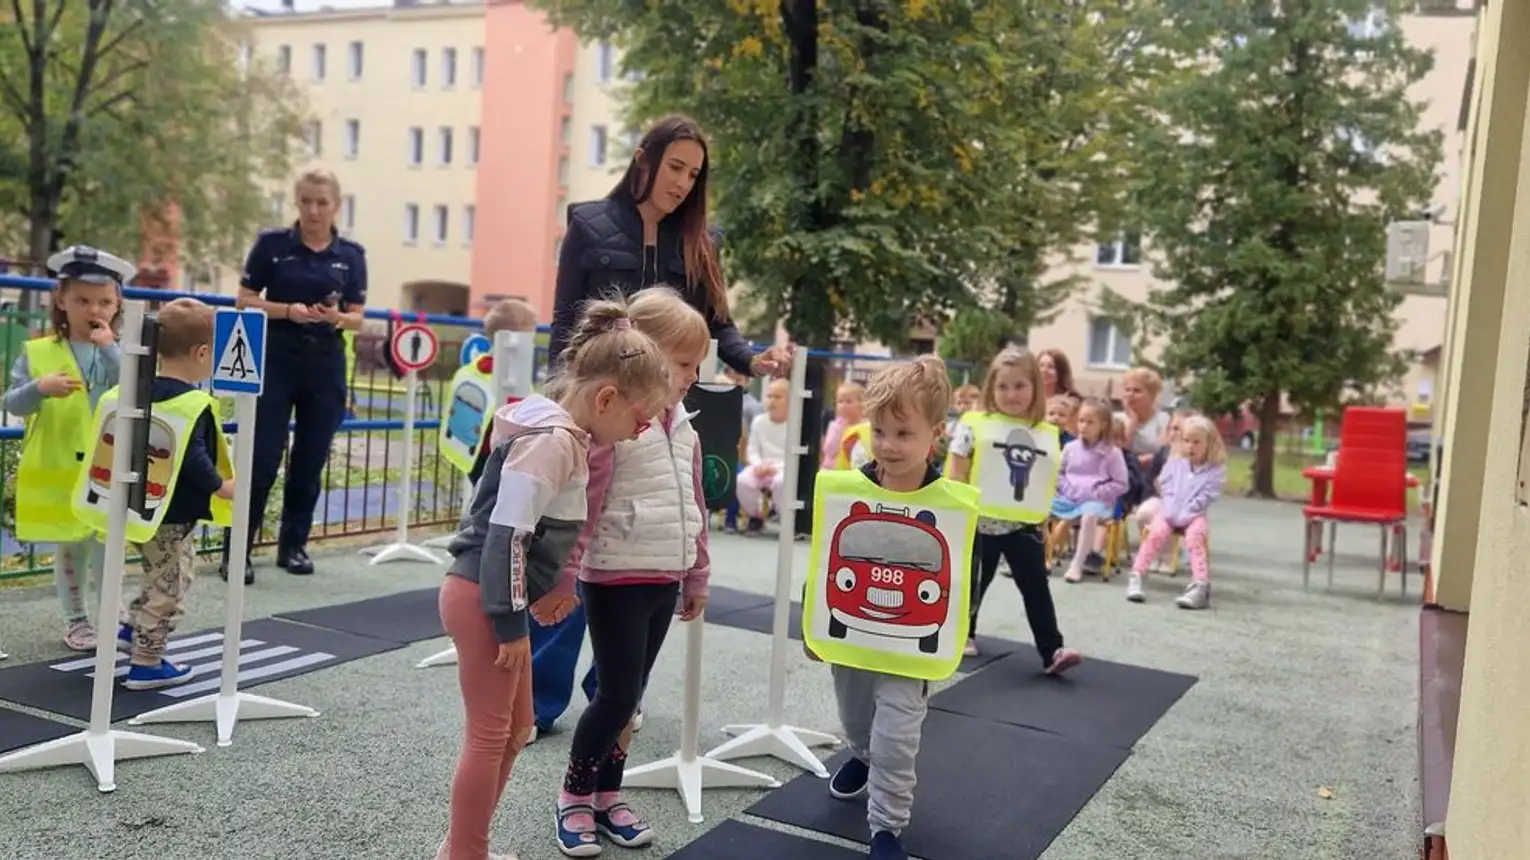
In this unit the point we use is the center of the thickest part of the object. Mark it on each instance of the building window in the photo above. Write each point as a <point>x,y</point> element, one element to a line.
<point>416,146</point>
<point>563,170</point>
<point>472,145</point>
<point>1109,346</point>
<point>598,138</point>
<point>557,249</point>
<point>313,136</point>
<point>469,222</point>
<point>565,130</point>
<point>634,137</point>
<point>448,68</point>
<point>441,219</point>
<point>445,138</point>
<point>348,212</point>
<point>1370,25</point>
<point>318,63</point>
<point>417,68</point>
<point>411,224</point>
<point>352,138</point>
<point>568,88</point>
<point>284,59</point>
<point>476,67</point>
<point>1125,251</point>
<point>357,58</point>
<point>605,61</point>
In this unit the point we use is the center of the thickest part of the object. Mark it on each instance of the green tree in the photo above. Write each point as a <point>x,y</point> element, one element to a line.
<point>881,161</point>
<point>1267,179</point>
<point>130,114</point>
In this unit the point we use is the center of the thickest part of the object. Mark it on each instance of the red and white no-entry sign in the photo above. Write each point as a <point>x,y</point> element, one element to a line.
<point>414,346</point>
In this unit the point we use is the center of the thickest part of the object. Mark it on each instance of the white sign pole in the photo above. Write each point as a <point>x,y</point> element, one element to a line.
<point>515,360</point>
<point>227,706</point>
<point>401,548</point>
<point>685,771</point>
<point>774,738</point>
<point>100,747</point>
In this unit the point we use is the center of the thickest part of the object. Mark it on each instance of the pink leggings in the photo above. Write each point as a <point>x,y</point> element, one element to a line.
<point>1195,542</point>
<point>498,716</point>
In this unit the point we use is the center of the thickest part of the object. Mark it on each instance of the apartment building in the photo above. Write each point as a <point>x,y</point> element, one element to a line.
<point>1101,351</point>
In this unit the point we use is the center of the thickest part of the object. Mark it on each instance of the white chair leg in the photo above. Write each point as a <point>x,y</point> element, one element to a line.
<point>1333,549</point>
<point>1381,579</point>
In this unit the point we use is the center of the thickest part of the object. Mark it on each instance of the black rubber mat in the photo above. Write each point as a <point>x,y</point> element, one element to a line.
<point>986,790</point>
<point>1099,702</point>
<point>270,650</point>
<point>406,617</point>
<point>19,730</point>
<point>735,840</point>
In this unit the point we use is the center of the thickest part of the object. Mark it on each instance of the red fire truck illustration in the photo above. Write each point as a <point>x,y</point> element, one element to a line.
<point>156,478</point>
<point>890,575</point>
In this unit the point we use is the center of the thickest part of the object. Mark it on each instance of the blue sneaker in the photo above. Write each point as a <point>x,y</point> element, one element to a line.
<point>632,835</point>
<point>124,637</point>
<point>166,674</point>
<point>577,843</point>
<point>849,782</point>
<point>886,846</point>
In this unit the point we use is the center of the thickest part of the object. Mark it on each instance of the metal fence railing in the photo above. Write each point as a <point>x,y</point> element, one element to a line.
<point>361,476</point>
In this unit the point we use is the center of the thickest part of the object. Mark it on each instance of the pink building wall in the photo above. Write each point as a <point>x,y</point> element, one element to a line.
<point>520,197</point>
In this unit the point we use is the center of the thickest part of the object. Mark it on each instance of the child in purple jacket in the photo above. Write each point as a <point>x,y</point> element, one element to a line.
<point>1092,476</point>
<point>1189,483</point>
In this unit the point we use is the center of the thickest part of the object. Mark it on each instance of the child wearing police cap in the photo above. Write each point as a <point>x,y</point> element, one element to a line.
<point>55,384</point>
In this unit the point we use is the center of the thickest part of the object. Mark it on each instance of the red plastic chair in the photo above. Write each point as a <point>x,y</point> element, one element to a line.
<point>1369,487</point>
<point>1375,428</point>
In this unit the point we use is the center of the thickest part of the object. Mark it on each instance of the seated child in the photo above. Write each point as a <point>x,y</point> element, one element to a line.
<point>185,360</point>
<point>1147,508</point>
<point>764,456</point>
<point>1190,482</point>
<point>963,400</point>
<point>847,414</point>
<point>883,715</point>
<point>752,409</point>
<point>1091,479</point>
<point>1062,411</point>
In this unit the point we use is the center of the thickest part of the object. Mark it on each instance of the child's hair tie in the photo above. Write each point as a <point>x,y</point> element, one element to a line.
<point>622,324</point>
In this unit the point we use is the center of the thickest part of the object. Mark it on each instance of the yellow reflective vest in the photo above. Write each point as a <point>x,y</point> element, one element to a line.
<point>888,587</point>
<point>469,410</point>
<point>53,450</point>
<point>1014,466</point>
<point>171,425</point>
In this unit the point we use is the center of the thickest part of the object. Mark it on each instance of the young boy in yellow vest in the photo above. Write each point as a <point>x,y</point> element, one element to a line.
<point>883,714</point>
<point>185,361</point>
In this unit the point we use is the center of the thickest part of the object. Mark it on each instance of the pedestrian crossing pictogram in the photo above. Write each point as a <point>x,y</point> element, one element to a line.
<point>204,653</point>
<point>239,350</point>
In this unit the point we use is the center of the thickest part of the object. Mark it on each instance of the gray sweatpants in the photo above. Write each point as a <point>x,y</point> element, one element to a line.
<point>882,716</point>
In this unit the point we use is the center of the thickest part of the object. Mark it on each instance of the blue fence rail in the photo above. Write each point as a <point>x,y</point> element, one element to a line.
<point>359,496</point>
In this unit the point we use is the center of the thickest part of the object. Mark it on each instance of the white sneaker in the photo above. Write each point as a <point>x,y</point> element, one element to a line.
<point>441,854</point>
<point>531,736</point>
<point>637,721</point>
<point>3,655</point>
<point>1197,596</point>
<point>1134,588</point>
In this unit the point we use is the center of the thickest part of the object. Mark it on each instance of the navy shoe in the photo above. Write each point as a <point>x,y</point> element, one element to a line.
<point>634,835</point>
<point>125,637</point>
<point>166,674</point>
<point>849,782</point>
<point>886,846</point>
<point>577,843</point>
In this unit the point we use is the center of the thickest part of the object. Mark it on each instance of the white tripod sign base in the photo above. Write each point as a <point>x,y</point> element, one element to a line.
<point>787,743</point>
<point>691,777</point>
<point>225,712</point>
<point>439,541</point>
<point>400,552</point>
<point>445,658</point>
<point>99,752</point>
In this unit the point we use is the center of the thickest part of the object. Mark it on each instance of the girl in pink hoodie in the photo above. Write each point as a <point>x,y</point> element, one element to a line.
<point>1092,477</point>
<point>641,556</point>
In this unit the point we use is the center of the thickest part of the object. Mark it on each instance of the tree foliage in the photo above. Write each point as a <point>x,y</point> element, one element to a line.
<point>1268,175</point>
<point>884,160</point>
<point>118,116</point>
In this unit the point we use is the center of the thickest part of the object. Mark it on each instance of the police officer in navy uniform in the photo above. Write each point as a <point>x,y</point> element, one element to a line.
<point>312,284</point>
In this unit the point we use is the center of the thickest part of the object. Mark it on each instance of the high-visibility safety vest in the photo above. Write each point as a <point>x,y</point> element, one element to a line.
<point>52,451</point>
<point>1014,466</point>
<point>888,588</point>
<point>171,425</point>
<point>469,409</point>
<point>855,434</point>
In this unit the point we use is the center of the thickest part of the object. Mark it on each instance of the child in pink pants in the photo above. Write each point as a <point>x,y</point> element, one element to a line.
<point>1188,484</point>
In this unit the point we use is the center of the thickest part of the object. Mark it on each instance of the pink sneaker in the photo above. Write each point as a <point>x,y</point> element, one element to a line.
<point>1063,660</point>
<point>80,636</point>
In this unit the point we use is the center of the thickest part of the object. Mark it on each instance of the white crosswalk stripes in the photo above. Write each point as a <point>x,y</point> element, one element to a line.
<point>204,653</point>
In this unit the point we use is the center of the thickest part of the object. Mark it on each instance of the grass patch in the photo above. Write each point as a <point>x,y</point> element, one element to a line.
<point>1289,483</point>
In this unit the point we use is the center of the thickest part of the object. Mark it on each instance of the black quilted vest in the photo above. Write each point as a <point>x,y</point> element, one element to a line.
<point>613,251</point>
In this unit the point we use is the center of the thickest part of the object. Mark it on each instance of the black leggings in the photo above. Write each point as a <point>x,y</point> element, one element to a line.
<point>627,624</point>
<point>1025,550</point>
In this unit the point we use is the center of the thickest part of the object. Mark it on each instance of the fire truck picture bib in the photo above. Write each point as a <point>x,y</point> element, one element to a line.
<point>887,590</point>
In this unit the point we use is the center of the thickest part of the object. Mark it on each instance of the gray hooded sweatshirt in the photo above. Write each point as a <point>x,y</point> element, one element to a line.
<point>526,513</point>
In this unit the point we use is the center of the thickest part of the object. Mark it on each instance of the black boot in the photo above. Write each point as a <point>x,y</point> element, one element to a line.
<point>294,560</point>
<point>249,565</point>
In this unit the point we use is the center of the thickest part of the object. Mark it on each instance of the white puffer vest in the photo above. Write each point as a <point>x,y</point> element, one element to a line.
<point>651,519</point>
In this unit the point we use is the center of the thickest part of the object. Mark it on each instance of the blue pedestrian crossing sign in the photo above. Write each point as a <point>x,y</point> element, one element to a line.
<point>239,351</point>
<point>474,346</point>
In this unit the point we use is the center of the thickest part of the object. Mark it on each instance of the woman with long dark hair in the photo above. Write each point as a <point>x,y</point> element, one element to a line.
<point>652,229</point>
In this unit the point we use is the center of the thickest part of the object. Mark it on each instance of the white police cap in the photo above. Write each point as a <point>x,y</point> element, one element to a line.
<point>84,263</point>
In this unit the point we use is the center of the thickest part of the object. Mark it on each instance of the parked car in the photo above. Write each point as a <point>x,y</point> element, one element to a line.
<point>1420,445</point>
